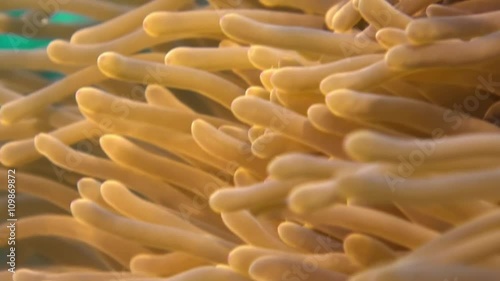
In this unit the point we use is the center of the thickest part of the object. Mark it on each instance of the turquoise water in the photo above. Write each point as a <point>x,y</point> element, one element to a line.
<point>10,41</point>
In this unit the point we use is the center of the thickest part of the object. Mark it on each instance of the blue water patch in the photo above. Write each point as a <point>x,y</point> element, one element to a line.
<point>11,41</point>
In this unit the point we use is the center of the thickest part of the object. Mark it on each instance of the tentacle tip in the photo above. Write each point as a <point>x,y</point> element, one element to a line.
<point>42,142</point>
<point>230,20</point>
<point>55,48</point>
<point>78,205</point>
<point>108,142</point>
<point>241,102</point>
<point>199,125</point>
<point>108,60</point>
<point>85,96</point>
<point>339,100</point>
<point>261,267</point>
<point>152,22</point>
<point>298,202</point>
<point>216,201</point>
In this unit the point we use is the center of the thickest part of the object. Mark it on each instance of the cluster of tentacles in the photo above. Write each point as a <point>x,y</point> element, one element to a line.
<point>254,140</point>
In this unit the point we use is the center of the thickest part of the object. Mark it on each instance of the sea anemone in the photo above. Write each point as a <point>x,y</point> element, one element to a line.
<point>345,140</point>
